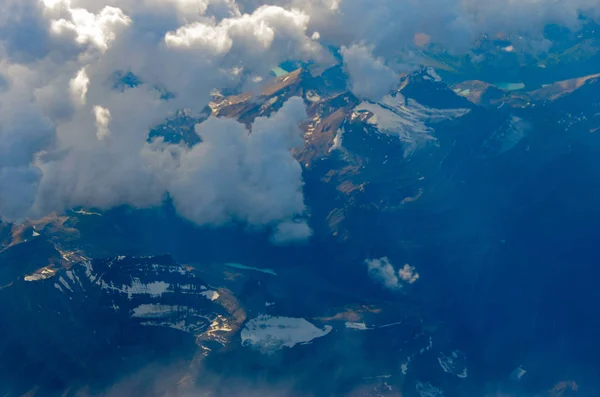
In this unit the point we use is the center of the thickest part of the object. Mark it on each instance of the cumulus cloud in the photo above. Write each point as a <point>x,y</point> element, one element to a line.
<point>408,273</point>
<point>87,28</point>
<point>68,138</point>
<point>382,271</point>
<point>369,76</point>
<point>234,174</point>
<point>102,121</point>
<point>79,86</point>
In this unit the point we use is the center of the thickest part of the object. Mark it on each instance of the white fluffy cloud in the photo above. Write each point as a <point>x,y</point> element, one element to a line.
<point>382,271</point>
<point>102,121</point>
<point>408,273</point>
<point>252,178</point>
<point>86,28</point>
<point>68,138</point>
<point>369,76</point>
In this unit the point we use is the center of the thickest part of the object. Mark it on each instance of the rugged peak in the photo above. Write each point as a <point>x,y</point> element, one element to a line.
<point>480,92</point>
<point>488,95</point>
<point>560,89</point>
<point>427,87</point>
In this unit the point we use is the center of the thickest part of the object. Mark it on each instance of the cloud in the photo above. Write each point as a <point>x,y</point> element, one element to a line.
<point>79,86</point>
<point>18,187</point>
<point>24,31</point>
<point>408,273</point>
<point>102,121</point>
<point>236,175</point>
<point>89,29</point>
<point>382,271</point>
<point>291,231</point>
<point>67,138</point>
<point>232,175</point>
<point>369,76</point>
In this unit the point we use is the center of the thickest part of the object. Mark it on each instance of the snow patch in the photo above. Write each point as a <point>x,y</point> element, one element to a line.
<point>312,96</point>
<point>337,140</point>
<point>70,275</point>
<point>210,294</point>
<point>428,347</point>
<point>191,288</point>
<point>404,366</point>
<point>182,318</point>
<point>358,326</point>
<point>154,289</point>
<point>42,274</point>
<point>151,310</point>
<point>430,74</point>
<point>454,364</point>
<point>463,93</point>
<point>269,334</point>
<point>89,271</point>
<point>428,390</point>
<point>74,278</point>
<point>395,115</point>
<point>64,283</point>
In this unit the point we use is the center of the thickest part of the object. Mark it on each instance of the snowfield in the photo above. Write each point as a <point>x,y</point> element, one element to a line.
<point>269,334</point>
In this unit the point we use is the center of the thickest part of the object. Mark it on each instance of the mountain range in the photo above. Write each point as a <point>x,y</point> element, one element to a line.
<point>489,193</point>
